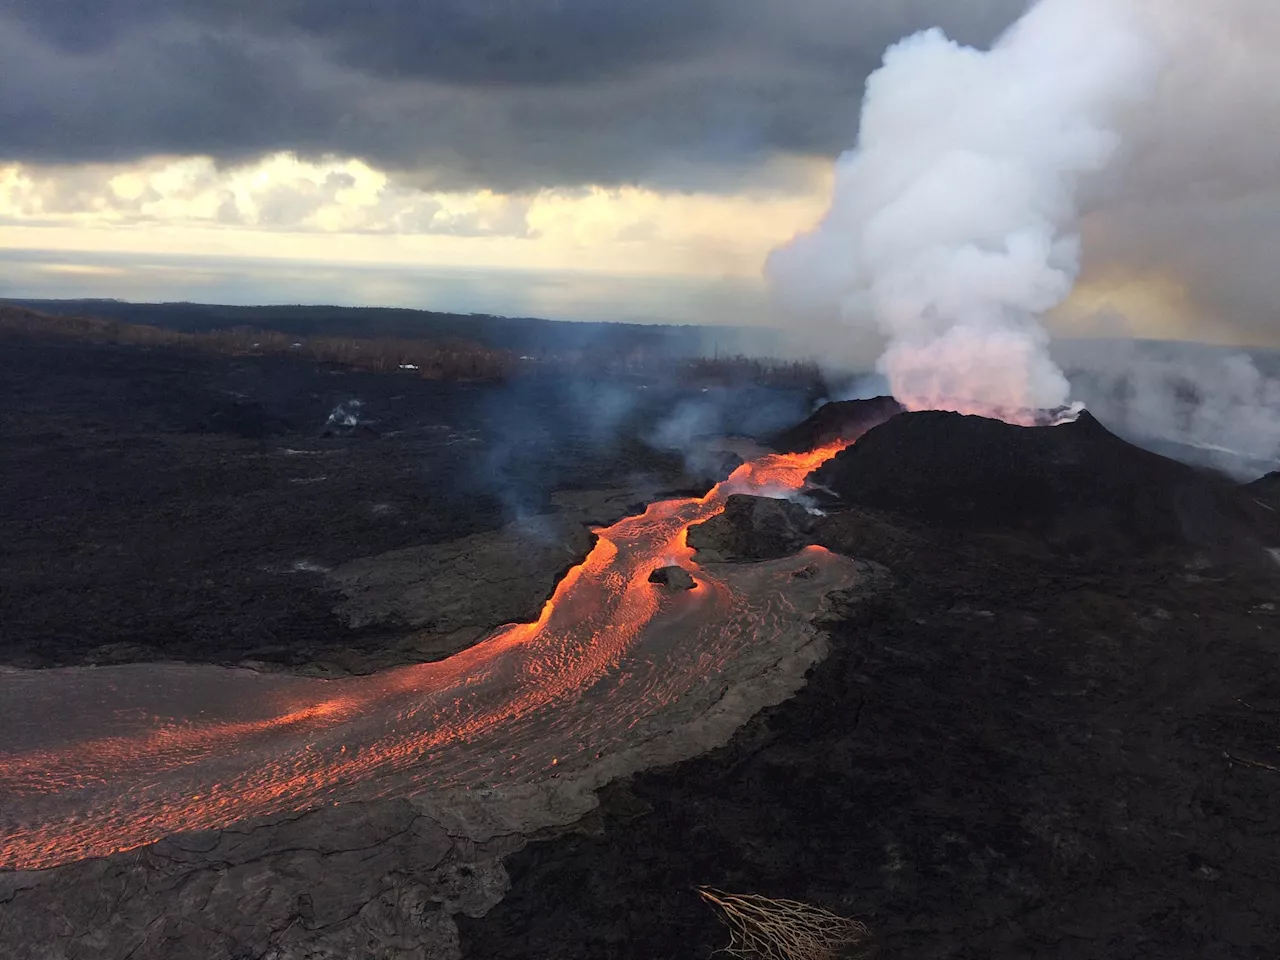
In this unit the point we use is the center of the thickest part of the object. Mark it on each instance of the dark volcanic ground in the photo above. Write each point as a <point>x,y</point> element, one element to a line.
<point>156,504</point>
<point>1004,762</point>
<point>1045,741</point>
<point>1041,745</point>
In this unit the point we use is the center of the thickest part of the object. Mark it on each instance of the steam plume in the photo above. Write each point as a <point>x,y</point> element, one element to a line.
<point>952,225</point>
<point>1218,404</point>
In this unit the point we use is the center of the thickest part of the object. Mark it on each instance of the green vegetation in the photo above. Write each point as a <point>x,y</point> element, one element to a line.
<point>433,356</point>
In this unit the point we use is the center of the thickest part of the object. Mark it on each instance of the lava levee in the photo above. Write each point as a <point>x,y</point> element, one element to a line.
<point>102,760</point>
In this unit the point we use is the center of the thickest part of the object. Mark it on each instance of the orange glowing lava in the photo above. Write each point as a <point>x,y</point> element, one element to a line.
<point>109,759</point>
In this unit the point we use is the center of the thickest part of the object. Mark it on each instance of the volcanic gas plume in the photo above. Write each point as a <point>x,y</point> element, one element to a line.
<point>154,749</point>
<point>953,221</point>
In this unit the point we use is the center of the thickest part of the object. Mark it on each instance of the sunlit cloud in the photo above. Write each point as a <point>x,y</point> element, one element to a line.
<point>1146,305</point>
<point>80,270</point>
<point>342,209</point>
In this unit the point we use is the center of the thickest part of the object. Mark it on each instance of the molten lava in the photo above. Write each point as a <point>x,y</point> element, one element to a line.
<point>197,747</point>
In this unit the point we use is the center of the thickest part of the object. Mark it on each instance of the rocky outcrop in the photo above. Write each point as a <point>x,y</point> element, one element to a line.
<point>446,596</point>
<point>752,528</point>
<point>840,420</point>
<point>1076,488</point>
<point>1268,488</point>
<point>673,578</point>
<point>238,417</point>
<point>705,467</point>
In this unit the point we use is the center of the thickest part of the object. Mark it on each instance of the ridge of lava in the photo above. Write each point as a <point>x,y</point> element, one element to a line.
<point>158,749</point>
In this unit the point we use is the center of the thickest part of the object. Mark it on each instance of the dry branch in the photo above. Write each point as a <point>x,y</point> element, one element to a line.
<point>782,929</point>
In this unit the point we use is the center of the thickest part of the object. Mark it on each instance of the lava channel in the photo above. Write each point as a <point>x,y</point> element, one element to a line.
<point>107,759</point>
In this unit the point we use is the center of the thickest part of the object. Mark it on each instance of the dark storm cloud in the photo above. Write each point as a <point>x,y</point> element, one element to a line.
<point>456,41</point>
<point>505,93</point>
<point>503,41</point>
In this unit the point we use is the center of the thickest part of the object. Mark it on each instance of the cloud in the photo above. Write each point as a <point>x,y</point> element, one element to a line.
<point>541,98</point>
<point>1178,230</point>
<point>334,209</point>
<point>277,192</point>
<point>457,93</point>
<point>1194,204</point>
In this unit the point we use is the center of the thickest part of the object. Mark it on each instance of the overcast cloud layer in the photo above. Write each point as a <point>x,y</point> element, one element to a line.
<point>507,94</point>
<point>518,96</point>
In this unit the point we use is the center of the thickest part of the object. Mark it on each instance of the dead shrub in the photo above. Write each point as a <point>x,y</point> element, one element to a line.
<point>783,929</point>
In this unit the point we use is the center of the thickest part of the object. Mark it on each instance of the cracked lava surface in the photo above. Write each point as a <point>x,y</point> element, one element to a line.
<point>103,760</point>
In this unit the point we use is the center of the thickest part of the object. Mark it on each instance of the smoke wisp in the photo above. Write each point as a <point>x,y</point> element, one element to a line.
<point>1202,404</point>
<point>952,226</point>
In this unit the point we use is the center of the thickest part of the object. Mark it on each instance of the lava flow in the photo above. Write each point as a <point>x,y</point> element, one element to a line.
<point>102,760</point>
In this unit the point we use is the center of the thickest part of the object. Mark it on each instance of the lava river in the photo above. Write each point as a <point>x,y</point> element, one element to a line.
<point>101,760</point>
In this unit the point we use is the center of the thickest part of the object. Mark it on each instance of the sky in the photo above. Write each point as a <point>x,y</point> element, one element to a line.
<point>580,159</point>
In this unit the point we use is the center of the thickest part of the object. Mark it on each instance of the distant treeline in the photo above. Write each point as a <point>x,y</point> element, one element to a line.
<point>447,360</point>
<point>428,355</point>
<point>524,336</point>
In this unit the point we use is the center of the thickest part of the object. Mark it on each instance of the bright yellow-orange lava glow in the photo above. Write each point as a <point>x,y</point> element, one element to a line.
<point>510,707</point>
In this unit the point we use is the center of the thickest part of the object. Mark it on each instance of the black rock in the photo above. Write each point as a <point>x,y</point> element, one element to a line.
<point>674,578</point>
<point>712,467</point>
<point>360,431</point>
<point>752,528</point>
<point>1076,486</point>
<point>841,420</point>
<point>1267,487</point>
<point>242,418</point>
<point>726,463</point>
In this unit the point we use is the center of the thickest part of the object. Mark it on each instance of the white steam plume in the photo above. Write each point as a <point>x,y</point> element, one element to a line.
<point>1220,404</point>
<point>953,222</point>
